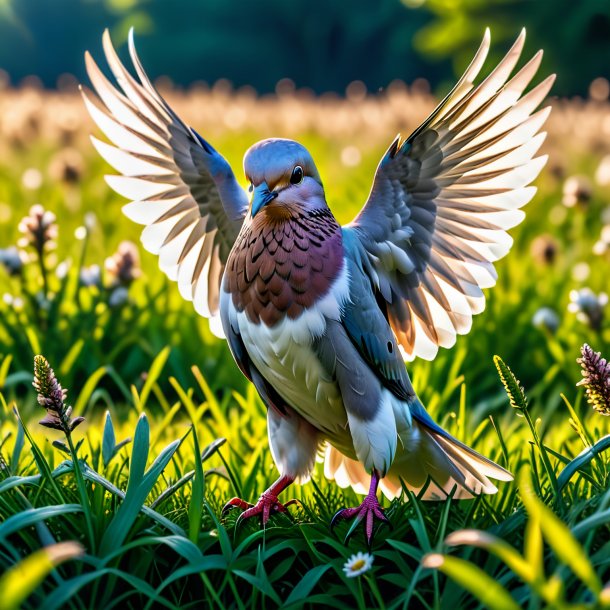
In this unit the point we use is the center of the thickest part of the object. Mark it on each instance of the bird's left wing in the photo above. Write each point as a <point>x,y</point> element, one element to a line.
<point>442,201</point>
<point>181,188</point>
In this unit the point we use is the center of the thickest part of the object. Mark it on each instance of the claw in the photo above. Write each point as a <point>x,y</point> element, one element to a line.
<point>267,504</point>
<point>368,511</point>
<point>265,507</point>
<point>234,503</point>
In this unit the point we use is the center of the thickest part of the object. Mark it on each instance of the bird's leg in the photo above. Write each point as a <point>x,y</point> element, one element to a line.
<point>368,511</point>
<point>268,502</point>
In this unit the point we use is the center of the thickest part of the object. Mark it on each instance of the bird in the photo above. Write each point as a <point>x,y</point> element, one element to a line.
<point>320,317</point>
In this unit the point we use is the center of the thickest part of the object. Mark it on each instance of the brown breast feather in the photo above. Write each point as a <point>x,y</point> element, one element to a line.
<point>281,265</point>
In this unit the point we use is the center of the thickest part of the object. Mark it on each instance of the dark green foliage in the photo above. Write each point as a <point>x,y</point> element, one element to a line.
<point>574,35</point>
<point>319,44</point>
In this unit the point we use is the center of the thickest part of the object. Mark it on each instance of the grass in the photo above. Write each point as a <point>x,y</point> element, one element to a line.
<point>172,430</point>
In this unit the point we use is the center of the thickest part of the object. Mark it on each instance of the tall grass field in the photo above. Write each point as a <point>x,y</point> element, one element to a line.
<point>117,503</point>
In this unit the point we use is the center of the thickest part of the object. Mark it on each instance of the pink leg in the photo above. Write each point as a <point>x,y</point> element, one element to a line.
<point>268,502</point>
<point>368,511</point>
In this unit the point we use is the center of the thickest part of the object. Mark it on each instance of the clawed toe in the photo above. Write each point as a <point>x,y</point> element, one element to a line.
<point>367,512</point>
<point>235,503</point>
<point>264,508</point>
<point>267,504</point>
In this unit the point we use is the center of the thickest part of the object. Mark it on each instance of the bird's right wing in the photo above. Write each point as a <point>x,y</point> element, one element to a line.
<point>181,189</point>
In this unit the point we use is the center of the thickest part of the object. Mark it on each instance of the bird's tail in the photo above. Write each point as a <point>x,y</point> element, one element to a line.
<point>426,456</point>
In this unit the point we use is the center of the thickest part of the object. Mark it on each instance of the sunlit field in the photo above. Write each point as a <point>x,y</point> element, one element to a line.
<point>142,512</point>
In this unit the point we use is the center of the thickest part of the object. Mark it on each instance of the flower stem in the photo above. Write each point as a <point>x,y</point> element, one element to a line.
<point>82,490</point>
<point>43,272</point>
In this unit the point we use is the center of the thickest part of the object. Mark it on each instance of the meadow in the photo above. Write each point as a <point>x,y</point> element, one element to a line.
<point>124,510</point>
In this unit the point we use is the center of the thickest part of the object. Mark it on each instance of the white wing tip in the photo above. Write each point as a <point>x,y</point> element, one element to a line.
<point>542,159</point>
<point>131,40</point>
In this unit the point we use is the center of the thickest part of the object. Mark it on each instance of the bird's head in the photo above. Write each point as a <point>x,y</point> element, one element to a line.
<point>283,178</point>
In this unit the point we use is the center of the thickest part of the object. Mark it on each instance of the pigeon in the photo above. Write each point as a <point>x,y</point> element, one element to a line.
<point>322,317</point>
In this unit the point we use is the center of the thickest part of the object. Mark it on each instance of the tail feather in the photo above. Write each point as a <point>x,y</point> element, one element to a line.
<point>427,457</point>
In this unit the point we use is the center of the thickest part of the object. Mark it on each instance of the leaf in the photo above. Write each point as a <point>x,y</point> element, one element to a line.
<point>186,477</point>
<point>217,413</point>
<point>33,340</point>
<point>169,491</point>
<point>196,503</point>
<point>70,358</point>
<point>533,548</point>
<point>582,460</point>
<point>41,462</point>
<point>17,583</point>
<point>18,446</point>
<point>109,445</point>
<point>560,539</point>
<point>139,453</point>
<point>264,586</point>
<point>488,591</point>
<point>181,545</point>
<point>212,448</point>
<point>30,516</point>
<point>138,486</point>
<point>406,548</point>
<point>4,367</point>
<point>90,385</point>
<point>500,548</point>
<point>16,481</point>
<point>69,588</point>
<point>209,562</point>
<point>108,440</point>
<point>186,400</point>
<point>306,584</point>
<point>153,374</point>
<point>94,477</point>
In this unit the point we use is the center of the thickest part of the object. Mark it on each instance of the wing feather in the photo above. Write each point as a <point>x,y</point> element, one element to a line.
<point>180,188</point>
<point>443,200</point>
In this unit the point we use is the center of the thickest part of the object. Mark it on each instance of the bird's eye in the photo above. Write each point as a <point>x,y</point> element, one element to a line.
<point>250,188</point>
<point>297,175</point>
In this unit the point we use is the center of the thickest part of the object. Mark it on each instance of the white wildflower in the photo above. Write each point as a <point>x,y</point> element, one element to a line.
<point>546,318</point>
<point>358,564</point>
<point>588,306</point>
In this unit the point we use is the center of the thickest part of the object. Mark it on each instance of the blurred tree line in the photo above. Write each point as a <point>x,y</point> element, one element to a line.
<point>321,44</point>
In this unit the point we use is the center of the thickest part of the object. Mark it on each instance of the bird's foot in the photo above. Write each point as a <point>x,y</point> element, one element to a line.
<point>369,511</point>
<point>267,504</point>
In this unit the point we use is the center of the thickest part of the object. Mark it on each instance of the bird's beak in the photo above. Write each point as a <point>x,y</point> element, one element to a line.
<point>261,197</point>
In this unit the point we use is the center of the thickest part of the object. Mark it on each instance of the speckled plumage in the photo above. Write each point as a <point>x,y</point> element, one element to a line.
<point>282,263</point>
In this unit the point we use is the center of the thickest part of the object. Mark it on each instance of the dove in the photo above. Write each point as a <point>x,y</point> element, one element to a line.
<point>322,317</point>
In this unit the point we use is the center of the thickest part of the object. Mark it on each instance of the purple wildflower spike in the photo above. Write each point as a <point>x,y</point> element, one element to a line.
<point>52,397</point>
<point>596,379</point>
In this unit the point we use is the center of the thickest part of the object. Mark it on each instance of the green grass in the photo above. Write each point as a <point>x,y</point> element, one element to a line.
<point>158,391</point>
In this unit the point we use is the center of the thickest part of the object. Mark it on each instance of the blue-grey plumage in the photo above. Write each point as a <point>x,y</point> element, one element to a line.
<point>321,317</point>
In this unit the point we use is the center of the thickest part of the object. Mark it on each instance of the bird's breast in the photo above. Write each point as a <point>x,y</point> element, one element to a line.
<point>285,355</point>
<point>279,268</point>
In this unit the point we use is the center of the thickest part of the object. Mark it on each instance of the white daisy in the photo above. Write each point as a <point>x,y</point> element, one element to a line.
<point>358,564</point>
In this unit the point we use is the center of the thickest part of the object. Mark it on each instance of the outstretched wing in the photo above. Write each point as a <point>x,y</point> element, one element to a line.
<point>442,201</point>
<point>181,188</point>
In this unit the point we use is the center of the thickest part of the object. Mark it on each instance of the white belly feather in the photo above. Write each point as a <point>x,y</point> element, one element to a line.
<point>283,354</point>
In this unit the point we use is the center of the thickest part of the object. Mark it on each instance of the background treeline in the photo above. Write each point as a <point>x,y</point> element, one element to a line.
<point>319,44</point>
